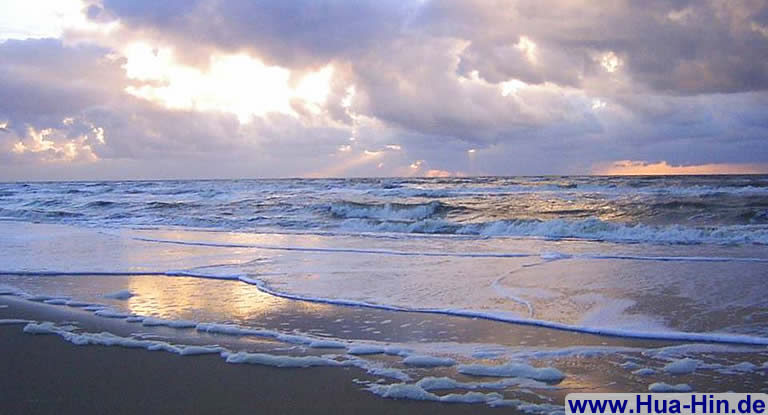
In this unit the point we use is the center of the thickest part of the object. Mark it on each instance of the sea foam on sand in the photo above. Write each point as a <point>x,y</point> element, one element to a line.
<point>547,374</point>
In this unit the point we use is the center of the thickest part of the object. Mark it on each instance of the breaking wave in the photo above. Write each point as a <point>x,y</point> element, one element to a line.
<point>592,229</point>
<point>679,210</point>
<point>388,211</point>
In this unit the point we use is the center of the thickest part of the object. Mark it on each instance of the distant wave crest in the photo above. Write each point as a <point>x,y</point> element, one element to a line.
<point>388,211</point>
<point>591,228</point>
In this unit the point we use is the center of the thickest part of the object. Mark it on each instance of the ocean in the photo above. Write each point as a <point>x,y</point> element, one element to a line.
<point>681,209</point>
<point>500,290</point>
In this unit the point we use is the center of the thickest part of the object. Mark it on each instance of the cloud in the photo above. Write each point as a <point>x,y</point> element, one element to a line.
<point>369,87</point>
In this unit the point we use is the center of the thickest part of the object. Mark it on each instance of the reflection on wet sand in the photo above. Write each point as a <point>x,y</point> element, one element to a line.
<point>195,298</point>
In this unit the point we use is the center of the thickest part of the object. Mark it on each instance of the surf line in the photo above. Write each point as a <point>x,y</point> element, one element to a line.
<point>609,332</point>
<point>600,331</point>
<point>548,256</point>
<point>341,250</point>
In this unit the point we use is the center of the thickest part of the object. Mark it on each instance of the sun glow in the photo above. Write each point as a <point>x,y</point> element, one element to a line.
<point>632,167</point>
<point>343,165</point>
<point>237,84</point>
<point>46,19</point>
<point>610,62</point>
<point>54,145</point>
<point>528,48</point>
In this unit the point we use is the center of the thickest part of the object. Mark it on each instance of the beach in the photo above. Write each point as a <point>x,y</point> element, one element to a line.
<point>46,375</point>
<point>383,207</point>
<point>404,316</point>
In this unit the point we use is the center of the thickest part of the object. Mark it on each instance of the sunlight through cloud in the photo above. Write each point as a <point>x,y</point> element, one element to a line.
<point>238,84</point>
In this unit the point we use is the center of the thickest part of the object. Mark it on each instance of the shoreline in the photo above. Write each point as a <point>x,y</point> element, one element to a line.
<point>44,374</point>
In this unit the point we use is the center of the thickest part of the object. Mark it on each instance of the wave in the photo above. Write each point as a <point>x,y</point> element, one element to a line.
<point>569,189</point>
<point>159,205</point>
<point>590,229</point>
<point>388,211</point>
<point>37,214</point>
<point>546,255</point>
<point>723,338</point>
<point>670,210</point>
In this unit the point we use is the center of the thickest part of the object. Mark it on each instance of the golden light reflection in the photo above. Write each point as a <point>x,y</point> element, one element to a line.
<point>166,297</point>
<point>207,299</point>
<point>189,297</point>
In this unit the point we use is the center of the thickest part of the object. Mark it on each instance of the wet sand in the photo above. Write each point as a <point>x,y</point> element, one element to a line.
<point>43,374</point>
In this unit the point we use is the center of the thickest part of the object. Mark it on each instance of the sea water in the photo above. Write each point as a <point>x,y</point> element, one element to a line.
<point>467,279</point>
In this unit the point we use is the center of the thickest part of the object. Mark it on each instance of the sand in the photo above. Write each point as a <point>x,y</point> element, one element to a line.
<point>42,374</point>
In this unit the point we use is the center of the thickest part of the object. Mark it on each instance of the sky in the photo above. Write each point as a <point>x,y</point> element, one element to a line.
<point>142,89</point>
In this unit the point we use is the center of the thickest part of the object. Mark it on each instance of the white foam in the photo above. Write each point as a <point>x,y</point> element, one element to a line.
<point>596,229</point>
<point>415,392</point>
<point>629,365</point>
<point>326,344</point>
<point>738,368</point>
<point>660,387</point>
<point>375,369</point>
<point>494,316</point>
<point>109,339</point>
<point>397,351</point>
<point>199,350</point>
<point>507,318</point>
<point>437,383</point>
<point>233,330</point>
<point>228,329</point>
<point>386,211</point>
<point>5,321</point>
<point>646,371</point>
<point>682,366</point>
<point>428,361</point>
<point>389,373</point>
<point>109,313</point>
<point>279,361</point>
<point>570,352</point>
<point>120,295</point>
<point>45,327</point>
<point>512,369</point>
<point>585,229</point>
